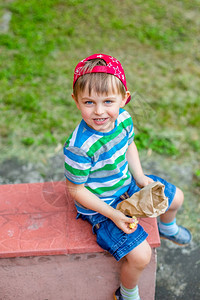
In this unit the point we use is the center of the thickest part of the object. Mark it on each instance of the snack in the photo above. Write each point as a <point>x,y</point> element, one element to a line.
<point>134,224</point>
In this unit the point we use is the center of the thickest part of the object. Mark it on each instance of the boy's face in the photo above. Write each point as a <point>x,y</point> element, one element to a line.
<point>100,111</point>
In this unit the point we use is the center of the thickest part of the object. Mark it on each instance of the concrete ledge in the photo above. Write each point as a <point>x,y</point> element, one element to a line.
<point>39,219</point>
<point>71,277</point>
<point>46,254</point>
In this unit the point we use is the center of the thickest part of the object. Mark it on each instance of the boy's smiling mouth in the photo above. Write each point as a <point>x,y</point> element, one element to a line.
<point>100,119</point>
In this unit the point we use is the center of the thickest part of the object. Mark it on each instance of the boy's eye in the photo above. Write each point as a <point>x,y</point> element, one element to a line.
<point>108,101</point>
<point>88,102</point>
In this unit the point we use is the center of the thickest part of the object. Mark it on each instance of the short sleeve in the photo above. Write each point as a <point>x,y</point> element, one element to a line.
<point>131,135</point>
<point>77,165</point>
<point>130,129</point>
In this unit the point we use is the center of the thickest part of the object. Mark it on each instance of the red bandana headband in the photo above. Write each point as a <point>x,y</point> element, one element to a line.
<point>113,67</point>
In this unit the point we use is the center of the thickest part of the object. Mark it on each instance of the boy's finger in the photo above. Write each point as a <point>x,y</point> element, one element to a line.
<point>132,220</point>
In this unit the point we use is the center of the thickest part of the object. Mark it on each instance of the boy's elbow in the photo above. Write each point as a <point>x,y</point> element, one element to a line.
<point>72,188</point>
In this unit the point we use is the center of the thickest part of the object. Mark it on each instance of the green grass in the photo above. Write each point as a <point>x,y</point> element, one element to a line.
<point>156,41</point>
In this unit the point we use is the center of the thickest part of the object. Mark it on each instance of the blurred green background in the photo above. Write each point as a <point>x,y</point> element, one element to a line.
<point>156,41</point>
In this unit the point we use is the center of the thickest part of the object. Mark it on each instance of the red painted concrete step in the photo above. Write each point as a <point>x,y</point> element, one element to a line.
<point>40,219</point>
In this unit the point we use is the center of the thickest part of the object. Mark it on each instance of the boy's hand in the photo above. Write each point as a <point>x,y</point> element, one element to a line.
<point>143,181</point>
<point>123,222</point>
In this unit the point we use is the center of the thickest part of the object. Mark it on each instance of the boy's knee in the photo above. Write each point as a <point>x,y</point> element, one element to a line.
<point>178,199</point>
<point>140,259</point>
<point>145,260</point>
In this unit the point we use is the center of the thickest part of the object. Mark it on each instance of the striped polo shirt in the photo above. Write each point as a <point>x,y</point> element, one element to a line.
<point>98,159</point>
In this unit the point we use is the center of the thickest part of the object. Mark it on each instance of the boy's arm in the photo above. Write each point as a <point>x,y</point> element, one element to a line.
<point>91,201</point>
<point>135,166</point>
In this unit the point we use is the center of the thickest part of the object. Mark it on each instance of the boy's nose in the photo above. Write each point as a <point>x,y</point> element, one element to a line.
<point>98,110</point>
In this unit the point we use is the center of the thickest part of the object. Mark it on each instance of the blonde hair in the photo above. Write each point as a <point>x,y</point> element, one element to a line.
<point>101,83</point>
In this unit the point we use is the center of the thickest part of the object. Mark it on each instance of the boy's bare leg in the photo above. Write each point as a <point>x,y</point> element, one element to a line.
<point>169,216</point>
<point>134,263</point>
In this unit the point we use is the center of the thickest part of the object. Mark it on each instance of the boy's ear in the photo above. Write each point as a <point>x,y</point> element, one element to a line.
<point>125,99</point>
<point>76,101</point>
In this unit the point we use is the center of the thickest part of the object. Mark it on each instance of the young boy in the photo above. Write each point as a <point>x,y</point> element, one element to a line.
<point>102,167</point>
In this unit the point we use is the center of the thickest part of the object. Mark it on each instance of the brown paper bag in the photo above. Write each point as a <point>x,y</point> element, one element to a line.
<point>148,202</point>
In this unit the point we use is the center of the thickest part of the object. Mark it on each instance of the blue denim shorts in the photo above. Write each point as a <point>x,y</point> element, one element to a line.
<point>113,239</point>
